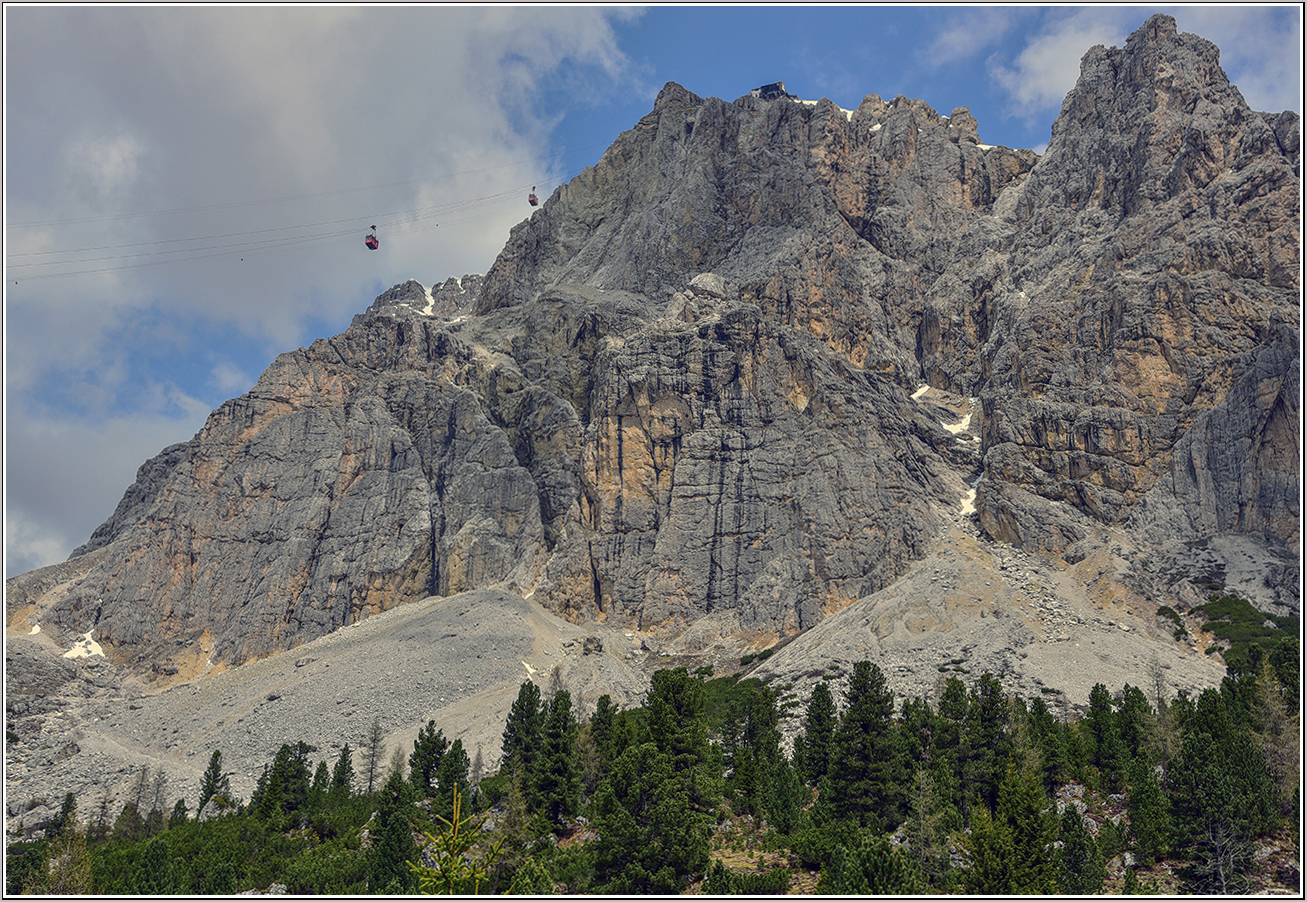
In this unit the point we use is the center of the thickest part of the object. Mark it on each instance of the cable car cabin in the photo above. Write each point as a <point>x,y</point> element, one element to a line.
<point>371,242</point>
<point>532,200</point>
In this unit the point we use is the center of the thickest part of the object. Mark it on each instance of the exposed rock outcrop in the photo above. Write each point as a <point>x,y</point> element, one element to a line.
<point>680,399</point>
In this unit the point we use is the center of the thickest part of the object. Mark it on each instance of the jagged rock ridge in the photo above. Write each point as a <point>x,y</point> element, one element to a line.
<point>680,398</point>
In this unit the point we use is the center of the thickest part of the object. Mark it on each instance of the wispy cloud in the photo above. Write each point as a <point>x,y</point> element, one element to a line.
<point>971,33</point>
<point>1045,69</point>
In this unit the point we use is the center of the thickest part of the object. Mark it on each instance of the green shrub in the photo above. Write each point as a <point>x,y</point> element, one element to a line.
<point>492,789</point>
<point>1166,612</point>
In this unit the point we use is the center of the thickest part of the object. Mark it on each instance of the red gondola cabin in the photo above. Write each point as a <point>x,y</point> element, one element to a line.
<point>371,241</point>
<point>531,198</point>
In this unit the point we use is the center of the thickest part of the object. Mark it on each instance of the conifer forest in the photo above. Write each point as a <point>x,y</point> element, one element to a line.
<point>974,792</point>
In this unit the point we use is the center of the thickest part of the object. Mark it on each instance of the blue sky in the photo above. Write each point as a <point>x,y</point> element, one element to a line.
<point>187,188</point>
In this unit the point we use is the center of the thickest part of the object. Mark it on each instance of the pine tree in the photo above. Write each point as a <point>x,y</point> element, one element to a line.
<point>215,785</point>
<point>1012,852</point>
<point>429,747</point>
<point>985,744</point>
<point>1051,736</point>
<point>601,728</point>
<point>1150,822</point>
<point>678,723</point>
<point>871,868</point>
<point>320,787</point>
<point>66,819</point>
<point>1082,868</point>
<point>393,849</point>
<point>651,838</point>
<point>868,774</point>
<point>451,775</point>
<point>1135,723</point>
<point>949,750</point>
<point>1218,780</point>
<point>342,777</point>
<point>373,747</point>
<point>819,735</point>
<point>154,875</point>
<point>129,826</point>
<point>1107,752</point>
<point>522,730</point>
<point>556,787</point>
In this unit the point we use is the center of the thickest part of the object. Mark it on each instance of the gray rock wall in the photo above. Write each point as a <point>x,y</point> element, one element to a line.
<point>681,394</point>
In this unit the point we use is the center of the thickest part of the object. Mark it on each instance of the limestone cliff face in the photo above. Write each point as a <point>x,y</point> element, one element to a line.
<point>1154,256</point>
<point>680,398</point>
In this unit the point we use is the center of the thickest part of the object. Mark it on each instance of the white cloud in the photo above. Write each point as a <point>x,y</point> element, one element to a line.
<point>970,33</point>
<point>65,475</point>
<point>230,379</point>
<point>272,137</point>
<point>1261,50</point>
<point>103,169</point>
<point>1039,77</point>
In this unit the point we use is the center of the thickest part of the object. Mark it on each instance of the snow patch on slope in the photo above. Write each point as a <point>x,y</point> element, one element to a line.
<point>85,647</point>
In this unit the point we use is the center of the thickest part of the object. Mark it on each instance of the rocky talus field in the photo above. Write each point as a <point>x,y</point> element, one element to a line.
<point>771,375</point>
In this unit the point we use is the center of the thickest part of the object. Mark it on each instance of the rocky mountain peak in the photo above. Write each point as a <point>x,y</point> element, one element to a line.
<point>687,396</point>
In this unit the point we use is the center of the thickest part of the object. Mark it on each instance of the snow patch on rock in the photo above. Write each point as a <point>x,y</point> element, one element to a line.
<point>85,647</point>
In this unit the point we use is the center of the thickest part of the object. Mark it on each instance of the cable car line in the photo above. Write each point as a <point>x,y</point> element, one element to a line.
<point>389,221</point>
<point>425,211</point>
<point>293,197</point>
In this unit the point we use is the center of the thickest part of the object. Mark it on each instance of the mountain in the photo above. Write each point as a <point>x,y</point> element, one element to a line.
<point>776,374</point>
